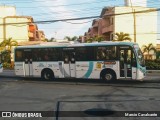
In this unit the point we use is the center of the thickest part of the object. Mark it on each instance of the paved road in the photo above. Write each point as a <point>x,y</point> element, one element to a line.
<point>19,94</point>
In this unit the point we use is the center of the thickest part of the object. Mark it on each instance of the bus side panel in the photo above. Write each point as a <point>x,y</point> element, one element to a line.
<point>100,65</point>
<point>56,67</point>
<point>19,68</point>
<point>84,69</point>
<point>1,68</point>
<point>39,66</point>
<point>134,73</point>
<point>97,68</point>
<point>140,74</point>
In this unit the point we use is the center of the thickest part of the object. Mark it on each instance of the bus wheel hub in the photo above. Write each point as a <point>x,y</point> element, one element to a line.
<point>108,76</point>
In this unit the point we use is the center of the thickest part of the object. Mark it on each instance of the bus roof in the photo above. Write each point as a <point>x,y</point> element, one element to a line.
<point>79,44</point>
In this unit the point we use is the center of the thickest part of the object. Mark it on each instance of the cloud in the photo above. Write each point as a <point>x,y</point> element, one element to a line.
<point>64,28</point>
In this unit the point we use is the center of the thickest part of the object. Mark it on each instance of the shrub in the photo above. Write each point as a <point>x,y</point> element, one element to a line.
<point>7,65</point>
<point>153,64</point>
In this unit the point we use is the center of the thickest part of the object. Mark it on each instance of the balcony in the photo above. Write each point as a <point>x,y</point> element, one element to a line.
<point>30,35</point>
<point>107,29</point>
<point>95,25</point>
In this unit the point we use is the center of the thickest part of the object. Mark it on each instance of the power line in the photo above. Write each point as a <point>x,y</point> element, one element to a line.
<point>51,21</point>
<point>82,18</point>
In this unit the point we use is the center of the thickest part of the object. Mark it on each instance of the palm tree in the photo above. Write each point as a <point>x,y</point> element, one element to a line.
<point>49,40</point>
<point>9,43</point>
<point>1,47</point>
<point>95,39</point>
<point>71,38</point>
<point>122,37</point>
<point>148,48</point>
<point>99,38</point>
<point>89,40</point>
<point>7,47</point>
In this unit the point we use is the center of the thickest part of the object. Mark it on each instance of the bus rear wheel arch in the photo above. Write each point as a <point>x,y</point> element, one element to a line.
<point>47,74</point>
<point>108,75</point>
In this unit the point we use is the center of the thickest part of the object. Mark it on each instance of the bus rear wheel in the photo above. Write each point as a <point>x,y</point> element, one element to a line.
<point>109,76</point>
<point>47,75</point>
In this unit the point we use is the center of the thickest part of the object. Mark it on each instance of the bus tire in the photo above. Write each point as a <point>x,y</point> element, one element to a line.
<point>47,74</point>
<point>108,75</point>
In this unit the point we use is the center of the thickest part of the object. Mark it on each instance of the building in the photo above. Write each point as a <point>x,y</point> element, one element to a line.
<point>138,21</point>
<point>7,11</point>
<point>142,3</point>
<point>19,28</point>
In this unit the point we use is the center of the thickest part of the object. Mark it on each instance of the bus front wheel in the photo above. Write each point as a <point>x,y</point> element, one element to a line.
<point>47,74</point>
<point>108,76</point>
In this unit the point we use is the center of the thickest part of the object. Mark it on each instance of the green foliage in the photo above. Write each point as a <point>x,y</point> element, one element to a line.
<point>8,65</point>
<point>9,43</point>
<point>95,39</point>
<point>158,54</point>
<point>148,48</point>
<point>71,38</point>
<point>6,56</point>
<point>122,37</point>
<point>153,64</point>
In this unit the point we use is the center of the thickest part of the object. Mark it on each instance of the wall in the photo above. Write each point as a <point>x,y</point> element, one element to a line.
<point>146,25</point>
<point>18,32</point>
<point>7,11</point>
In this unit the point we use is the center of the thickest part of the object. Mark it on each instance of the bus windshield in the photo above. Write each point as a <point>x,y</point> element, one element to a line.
<point>140,57</point>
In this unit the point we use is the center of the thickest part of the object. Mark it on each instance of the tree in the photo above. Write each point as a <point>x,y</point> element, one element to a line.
<point>99,38</point>
<point>95,39</point>
<point>50,40</point>
<point>122,37</point>
<point>148,48</point>
<point>71,38</point>
<point>89,40</point>
<point>9,43</point>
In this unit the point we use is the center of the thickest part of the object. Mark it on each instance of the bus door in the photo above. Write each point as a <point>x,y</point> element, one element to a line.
<point>69,62</point>
<point>28,67</point>
<point>125,62</point>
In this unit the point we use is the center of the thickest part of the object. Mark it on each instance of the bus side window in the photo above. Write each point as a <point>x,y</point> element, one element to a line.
<point>19,55</point>
<point>134,63</point>
<point>80,54</point>
<point>101,53</point>
<point>66,58</point>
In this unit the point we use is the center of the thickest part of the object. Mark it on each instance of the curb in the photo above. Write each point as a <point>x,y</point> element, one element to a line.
<point>153,71</point>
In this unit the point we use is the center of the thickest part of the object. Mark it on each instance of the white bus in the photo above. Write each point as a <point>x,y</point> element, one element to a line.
<point>104,60</point>
<point>1,66</point>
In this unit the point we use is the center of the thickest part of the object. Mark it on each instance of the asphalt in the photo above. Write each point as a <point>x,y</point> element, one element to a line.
<point>151,74</point>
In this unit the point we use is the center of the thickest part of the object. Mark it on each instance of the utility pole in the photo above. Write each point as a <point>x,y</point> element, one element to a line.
<point>134,21</point>
<point>134,24</point>
<point>4,28</point>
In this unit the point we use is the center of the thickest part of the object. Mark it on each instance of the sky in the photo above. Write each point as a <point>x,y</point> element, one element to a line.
<point>43,10</point>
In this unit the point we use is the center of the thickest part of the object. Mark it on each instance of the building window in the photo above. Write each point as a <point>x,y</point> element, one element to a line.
<point>112,37</point>
<point>111,20</point>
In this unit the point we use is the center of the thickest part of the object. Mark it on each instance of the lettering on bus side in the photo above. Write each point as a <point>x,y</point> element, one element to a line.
<point>68,48</point>
<point>109,63</point>
<point>18,64</point>
<point>49,65</point>
<point>41,65</point>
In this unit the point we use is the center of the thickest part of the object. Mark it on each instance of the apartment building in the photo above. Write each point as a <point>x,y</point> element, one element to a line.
<point>138,21</point>
<point>19,28</point>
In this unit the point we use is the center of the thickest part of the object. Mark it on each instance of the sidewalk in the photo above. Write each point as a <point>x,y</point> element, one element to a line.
<point>153,71</point>
<point>8,73</point>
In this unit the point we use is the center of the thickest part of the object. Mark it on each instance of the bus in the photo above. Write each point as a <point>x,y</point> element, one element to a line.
<point>1,66</point>
<point>104,60</point>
